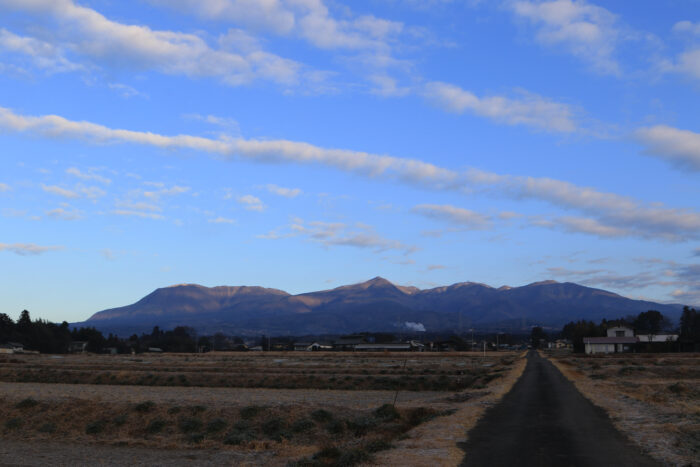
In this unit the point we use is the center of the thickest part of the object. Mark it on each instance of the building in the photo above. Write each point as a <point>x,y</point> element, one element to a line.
<point>609,344</point>
<point>619,339</point>
<point>77,346</point>
<point>11,347</point>
<point>391,347</point>
<point>311,346</point>
<point>623,339</point>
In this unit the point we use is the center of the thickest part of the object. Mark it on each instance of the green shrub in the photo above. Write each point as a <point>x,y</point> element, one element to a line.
<point>321,415</point>
<point>27,403</point>
<point>174,410</point>
<point>329,452</point>
<point>377,445</point>
<point>195,438</point>
<point>353,457</point>
<point>240,434</point>
<point>419,415</point>
<point>47,428</point>
<point>361,425</point>
<point>198,409</point>
<point>144,407</point>
<point>335,427</point>
<point>156,426</point>
<point>96,427</point>
<point>216,425</point>
<point>678,388</point>
<point>120,420</point>
<point>14,424</point>
<point>250,411</point>
<point>274,428</point>
<point>189,425</point>
<point>387,412</point>
<point>301,425</point>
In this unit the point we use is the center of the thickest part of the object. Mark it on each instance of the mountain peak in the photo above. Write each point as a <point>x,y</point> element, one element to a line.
<point>378,281</point>
<point>548,282</point>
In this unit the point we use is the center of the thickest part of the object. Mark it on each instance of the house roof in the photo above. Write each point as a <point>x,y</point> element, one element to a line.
<point>610,340</point>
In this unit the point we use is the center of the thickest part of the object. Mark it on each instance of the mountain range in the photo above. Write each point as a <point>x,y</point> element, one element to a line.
<point>374,305</point>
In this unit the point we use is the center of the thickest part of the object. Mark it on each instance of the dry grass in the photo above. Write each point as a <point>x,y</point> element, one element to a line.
<point>319,426</point>
<point>653,398</point>
<point>436,442</point>
<point>278,370</point>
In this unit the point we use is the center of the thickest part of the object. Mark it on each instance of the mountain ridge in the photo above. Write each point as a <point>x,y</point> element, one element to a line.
<point>373,305</point>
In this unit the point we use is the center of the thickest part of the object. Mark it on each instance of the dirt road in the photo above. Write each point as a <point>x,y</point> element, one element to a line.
<point>545,421</point>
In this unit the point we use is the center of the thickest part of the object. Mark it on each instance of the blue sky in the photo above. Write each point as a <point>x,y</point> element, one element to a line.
<point>306,144</point>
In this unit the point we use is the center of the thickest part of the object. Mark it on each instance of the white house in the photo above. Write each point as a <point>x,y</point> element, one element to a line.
<point>619,339</point>
<point>622,339</point>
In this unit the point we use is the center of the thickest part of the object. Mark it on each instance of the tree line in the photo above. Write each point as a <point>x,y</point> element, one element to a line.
<point>47,337</point>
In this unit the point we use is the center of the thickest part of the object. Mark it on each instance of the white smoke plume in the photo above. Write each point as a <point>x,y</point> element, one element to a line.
<point>418,327</point>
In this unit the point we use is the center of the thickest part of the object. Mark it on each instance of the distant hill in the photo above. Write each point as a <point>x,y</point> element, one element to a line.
<point>374,305</point>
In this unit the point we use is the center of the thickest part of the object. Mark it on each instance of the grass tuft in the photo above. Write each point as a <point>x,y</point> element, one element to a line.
<point>27,403</point>
<point>145,407</point>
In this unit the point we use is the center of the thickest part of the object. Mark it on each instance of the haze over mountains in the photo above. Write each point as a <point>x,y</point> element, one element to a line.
<point>374,305</point>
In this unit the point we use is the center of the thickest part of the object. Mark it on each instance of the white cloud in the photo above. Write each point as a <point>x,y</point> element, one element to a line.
<point>71,214</point>
<point>26,249</point>
<point>229,124</point>
<point>125,90</point>
<point>587,31</point>
<point>282,191</point>
<point>4,187</point>
<point>57,190</point>
<point>251,203</point>
<point>138,206</point>
<point>269,14</point>
<point>222,220</point>
<point>531,110</point>
<point>309,19</point>
<point>141,214</point>
<point>460,216</point>
<point>641,219</point>
<point>680,147</point>
<point>42,54</point>
<point>341,234</point>
<point>590,226</point>
<point>90,175</point>
<point>89,33</point>
<point>91,192</point>
<point>687,26</point>
<point>387,86</point>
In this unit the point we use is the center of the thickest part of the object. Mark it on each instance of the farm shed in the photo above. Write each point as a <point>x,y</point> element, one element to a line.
<point>311,346</point>
<point>77,346</point>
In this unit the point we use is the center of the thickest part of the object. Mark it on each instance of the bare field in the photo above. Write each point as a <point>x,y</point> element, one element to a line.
<point>233,404</point>
<point>319,370</point>
<point>653,398</point>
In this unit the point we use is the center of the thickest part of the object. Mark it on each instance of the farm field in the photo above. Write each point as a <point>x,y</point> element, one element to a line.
<point>653,398</point>
<point>249,408</point>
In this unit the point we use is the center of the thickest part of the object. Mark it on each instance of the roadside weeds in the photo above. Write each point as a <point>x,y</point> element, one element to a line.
<point>436,442</point>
